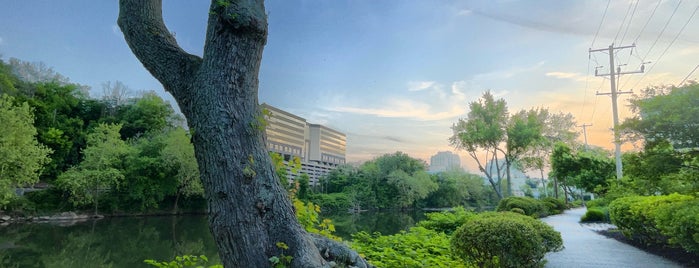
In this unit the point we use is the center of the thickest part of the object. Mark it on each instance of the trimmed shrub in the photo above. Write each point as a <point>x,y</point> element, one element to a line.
<point>448,221</point>
<point>518,211</point>
<point>680,222</point>
<point>594,215</point>
<point>505,239</point>
<point>555,206</point>
<point>530,206</point>
<point>658,219</point>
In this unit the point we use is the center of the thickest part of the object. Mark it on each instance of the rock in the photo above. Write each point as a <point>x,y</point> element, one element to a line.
<point>336,252</point>
<point>5,218</point>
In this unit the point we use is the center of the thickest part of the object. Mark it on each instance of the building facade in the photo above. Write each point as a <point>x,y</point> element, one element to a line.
<point>444,161</point>
<point>319,148</point>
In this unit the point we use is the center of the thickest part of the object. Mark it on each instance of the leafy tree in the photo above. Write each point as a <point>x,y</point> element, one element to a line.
<point>100,171</point>
<point>483,130</point>
<point>147,114</point>
<point>586,169</point>
<point>523,131</point>
<point>21,155</point>
<point>178,155</point>
<point>556,128</point>
<point>395,181</point>
<point>490,129</point>
<point>670,113</point>
<point>457,188</point>
<point>218,95</point>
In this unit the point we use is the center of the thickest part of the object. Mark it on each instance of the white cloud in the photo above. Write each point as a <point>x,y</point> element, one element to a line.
<point>508,73</point>
<point>566,75</point>
<point>464,12</point>
<point>420,85</point>
<point>403,108</point>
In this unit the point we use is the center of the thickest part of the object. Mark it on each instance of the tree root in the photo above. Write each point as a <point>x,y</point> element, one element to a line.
<point>338,253</point>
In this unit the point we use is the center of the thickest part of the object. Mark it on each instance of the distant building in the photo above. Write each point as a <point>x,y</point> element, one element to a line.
<point>320,148</point>
<point>444,161</point>
<point>519,179</point>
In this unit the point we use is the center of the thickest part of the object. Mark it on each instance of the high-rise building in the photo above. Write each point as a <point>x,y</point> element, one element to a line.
<point>320,148</point>
<point>444,161</point>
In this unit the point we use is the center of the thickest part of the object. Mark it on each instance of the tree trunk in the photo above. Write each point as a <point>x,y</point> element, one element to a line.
<point>249,212</point>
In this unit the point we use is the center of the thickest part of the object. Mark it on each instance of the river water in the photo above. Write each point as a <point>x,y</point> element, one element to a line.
<point>127,241</point>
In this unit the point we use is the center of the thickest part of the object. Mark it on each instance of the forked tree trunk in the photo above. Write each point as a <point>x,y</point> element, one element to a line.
<point>249,212</point>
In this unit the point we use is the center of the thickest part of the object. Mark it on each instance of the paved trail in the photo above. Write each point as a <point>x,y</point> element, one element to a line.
<point>586,248</point>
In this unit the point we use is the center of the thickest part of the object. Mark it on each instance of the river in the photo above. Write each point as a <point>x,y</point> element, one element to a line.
<point>127,241</point>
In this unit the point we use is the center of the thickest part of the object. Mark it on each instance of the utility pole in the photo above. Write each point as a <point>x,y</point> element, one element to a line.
<point>614,93</point>
<point>584,127</point>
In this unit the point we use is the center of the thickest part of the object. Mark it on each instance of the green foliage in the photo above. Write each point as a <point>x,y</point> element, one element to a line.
<point>282,260</point>
<point>148,113</point>
<point>595,215</point>
<point>530,206</point>
<point>183,262</point>
<point>458,188</point>
<point>332,201</point>
<point>100,171</point>
<point>308,215</point>
<point>598,203</point>
<point>21,155</point>
<point>555,205</point>
<point>505,239</point>
<point>663,219</point>
<point>668,113</point>
<point>418,247</point>
<point>587,169</point>
<point>447,221</point>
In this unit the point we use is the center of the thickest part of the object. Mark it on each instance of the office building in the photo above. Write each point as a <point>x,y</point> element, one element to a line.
<point>444,161</point>
<point>319,148</point>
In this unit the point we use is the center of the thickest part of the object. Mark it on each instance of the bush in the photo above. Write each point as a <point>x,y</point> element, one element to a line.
<point>671,219</point>
<point>530,206</point>
<point>448,221</point>
<point>505,239</point>
<point>518,211</point>
<point>595,215</point>
<point>419,247</point>
<point>680,222</point>
<point>599,202</point>
<point>555,206</point>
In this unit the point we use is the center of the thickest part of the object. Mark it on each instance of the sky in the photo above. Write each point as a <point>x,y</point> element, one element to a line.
<point>395,75</point>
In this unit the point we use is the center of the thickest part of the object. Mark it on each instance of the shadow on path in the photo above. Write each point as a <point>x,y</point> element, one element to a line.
<point>586,248</point>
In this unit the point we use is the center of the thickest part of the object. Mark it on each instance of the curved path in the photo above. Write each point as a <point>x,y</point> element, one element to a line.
<point>586,248</point>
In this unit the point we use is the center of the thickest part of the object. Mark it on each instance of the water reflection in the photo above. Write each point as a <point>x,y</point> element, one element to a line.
<point>117,242</point>
<point>126,242</point>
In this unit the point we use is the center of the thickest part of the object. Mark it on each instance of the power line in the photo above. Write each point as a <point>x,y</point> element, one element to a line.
<point>668,46</point>
<point>623,21</point>
<point>629,24</point>
<point>600,24</point>
<point>686,77</point>
<point>647,21</point>
<point>663,30</point>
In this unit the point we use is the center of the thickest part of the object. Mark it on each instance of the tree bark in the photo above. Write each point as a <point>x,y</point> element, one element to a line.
<point>249,212</point>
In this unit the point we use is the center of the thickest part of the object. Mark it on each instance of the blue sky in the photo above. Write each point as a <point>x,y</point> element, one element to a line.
<point>393,75</point>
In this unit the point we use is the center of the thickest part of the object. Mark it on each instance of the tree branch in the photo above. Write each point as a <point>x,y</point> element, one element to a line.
<point>141,21</point>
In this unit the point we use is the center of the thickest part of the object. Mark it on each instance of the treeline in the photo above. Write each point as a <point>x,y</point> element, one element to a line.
<point>397,181</point>
<point>120,153</point>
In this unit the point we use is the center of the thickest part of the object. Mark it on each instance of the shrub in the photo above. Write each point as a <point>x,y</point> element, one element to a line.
<point>680,222</point>
<point>530,206</point>
<point>518,211</point>
<point>658,219</point>
<point>505,239</point>
<point>448,221</point>
<point>419,247</point>
<point>555,206</point>
<point>332,201</point>
<point>594,215</point>
<point>599,202</point>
